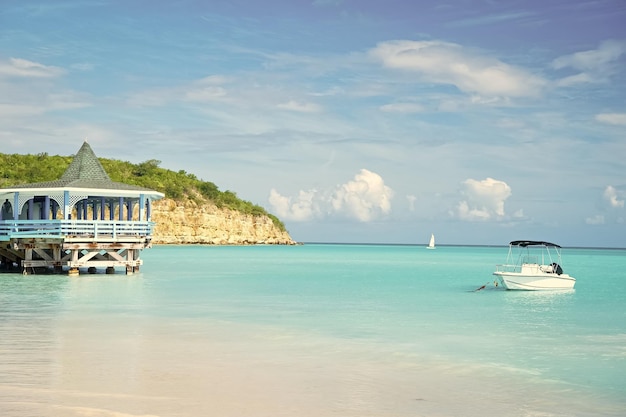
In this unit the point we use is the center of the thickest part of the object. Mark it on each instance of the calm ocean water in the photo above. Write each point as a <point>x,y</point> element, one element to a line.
<point>315,330</point>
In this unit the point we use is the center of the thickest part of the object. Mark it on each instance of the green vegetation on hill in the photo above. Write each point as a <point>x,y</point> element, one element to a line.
<point>25,169</point>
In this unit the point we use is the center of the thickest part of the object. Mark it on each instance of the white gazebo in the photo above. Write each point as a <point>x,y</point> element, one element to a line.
<point>82,220</point>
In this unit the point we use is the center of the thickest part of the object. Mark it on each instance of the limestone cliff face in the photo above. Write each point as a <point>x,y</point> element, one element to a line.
<point>188,223</point>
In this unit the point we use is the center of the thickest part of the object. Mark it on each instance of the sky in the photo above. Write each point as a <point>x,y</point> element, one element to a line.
<point>353,121</point>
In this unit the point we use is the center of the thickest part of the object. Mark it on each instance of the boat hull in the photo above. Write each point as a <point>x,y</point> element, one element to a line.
<point>541,282</point>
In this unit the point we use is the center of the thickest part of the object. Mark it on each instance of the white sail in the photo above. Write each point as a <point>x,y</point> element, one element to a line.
<point>431,244</point>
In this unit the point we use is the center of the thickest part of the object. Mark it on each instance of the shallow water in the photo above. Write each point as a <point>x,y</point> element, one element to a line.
<point>314,330</point>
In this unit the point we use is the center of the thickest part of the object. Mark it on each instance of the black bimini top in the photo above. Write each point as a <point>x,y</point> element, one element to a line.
<point>524,243</point>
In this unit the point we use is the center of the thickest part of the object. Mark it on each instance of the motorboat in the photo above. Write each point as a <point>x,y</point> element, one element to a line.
<point>533,265</point>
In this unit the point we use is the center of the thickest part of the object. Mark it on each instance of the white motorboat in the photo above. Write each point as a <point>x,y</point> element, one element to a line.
<point>533,265</point>
<point>431,243</point>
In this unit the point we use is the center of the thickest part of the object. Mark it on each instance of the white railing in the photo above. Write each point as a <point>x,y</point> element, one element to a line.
<point>65,228</point>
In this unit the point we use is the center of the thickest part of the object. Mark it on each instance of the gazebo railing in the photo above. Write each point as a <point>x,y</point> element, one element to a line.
<point>74,228</point>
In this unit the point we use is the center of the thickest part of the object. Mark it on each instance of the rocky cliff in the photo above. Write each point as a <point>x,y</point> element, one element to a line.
<point>189,222</point>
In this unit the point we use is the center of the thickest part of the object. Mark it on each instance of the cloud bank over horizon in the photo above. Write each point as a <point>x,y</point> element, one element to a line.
<point>483,200</point>
<point>365,198</point>
<point>613,203</point>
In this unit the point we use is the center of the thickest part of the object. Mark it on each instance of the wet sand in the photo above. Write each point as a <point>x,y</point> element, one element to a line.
<point>131,367</point>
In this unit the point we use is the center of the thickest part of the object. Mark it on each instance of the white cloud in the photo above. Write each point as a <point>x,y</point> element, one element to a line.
<point>594,65</point>
<point>477,99</point>
<point>411,199</point>
<point>488,19</point>
<point>402,108</point>
<point>17,67</point>
<point>365,198</point>
<point>613,197</point>
<point>612,118</point>
<point>207,93</point>
<point>484,200</point>
<point>83,66</point>
<point>301,208</point>
<point>593,59</point>
<point>597,219</point>
<point>34,100</point>
<point>581,78</point>
<point>9,111</point>
<point>206,89</point>
<point>300,107</point>
<point>449,63</point>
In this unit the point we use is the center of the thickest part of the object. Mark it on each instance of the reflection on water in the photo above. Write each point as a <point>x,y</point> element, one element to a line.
<point>29,308</point>
<point>61,336</point>
<point>540,301</point>
<point>104,333</point>
<point>41,290</point>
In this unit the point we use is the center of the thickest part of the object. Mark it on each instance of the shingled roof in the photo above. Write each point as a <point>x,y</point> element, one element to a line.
<point>85,166</point>
<point>85,171</point>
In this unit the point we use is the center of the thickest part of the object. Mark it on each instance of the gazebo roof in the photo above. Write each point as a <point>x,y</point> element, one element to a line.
<point>85,166</point>
<point>86,172</point>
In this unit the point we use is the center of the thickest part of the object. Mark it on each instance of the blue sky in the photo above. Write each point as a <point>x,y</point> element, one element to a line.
<point>352,121</point>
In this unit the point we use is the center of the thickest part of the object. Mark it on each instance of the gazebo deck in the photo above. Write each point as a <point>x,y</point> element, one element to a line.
<point>68,230</point>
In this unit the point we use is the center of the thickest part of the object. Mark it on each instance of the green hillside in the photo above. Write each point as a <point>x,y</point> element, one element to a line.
<point>25,169</point>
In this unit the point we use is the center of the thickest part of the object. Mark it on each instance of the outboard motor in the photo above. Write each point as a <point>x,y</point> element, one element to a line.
<point>557,268</point>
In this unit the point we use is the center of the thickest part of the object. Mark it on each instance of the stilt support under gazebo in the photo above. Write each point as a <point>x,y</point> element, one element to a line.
<point>75,253</point>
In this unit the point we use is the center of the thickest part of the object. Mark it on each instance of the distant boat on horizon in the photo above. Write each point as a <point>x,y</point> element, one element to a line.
<point>431,243</point>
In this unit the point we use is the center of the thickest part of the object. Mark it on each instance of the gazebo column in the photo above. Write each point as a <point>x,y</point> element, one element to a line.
<point>46,208</point>
<point>16,206</point>
<point>121,209</point>
<point>31,209</point>
<point>67,214</point>
<point>142,204</point>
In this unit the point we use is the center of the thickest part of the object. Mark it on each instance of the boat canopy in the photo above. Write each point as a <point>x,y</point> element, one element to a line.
<point>524,243</point>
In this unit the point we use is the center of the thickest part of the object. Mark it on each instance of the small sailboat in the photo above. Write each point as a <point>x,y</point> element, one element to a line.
<point>431,243</point>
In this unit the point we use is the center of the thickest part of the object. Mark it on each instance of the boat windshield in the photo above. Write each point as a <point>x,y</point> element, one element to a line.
<point>534,252</point>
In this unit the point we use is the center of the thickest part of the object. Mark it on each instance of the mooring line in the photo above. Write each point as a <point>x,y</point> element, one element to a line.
<point>481,287</point>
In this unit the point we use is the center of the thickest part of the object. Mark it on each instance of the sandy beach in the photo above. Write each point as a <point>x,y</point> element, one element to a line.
<point>135,368</point>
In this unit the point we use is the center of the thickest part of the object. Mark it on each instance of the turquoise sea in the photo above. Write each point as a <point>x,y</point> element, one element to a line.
<point>315,330</point>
